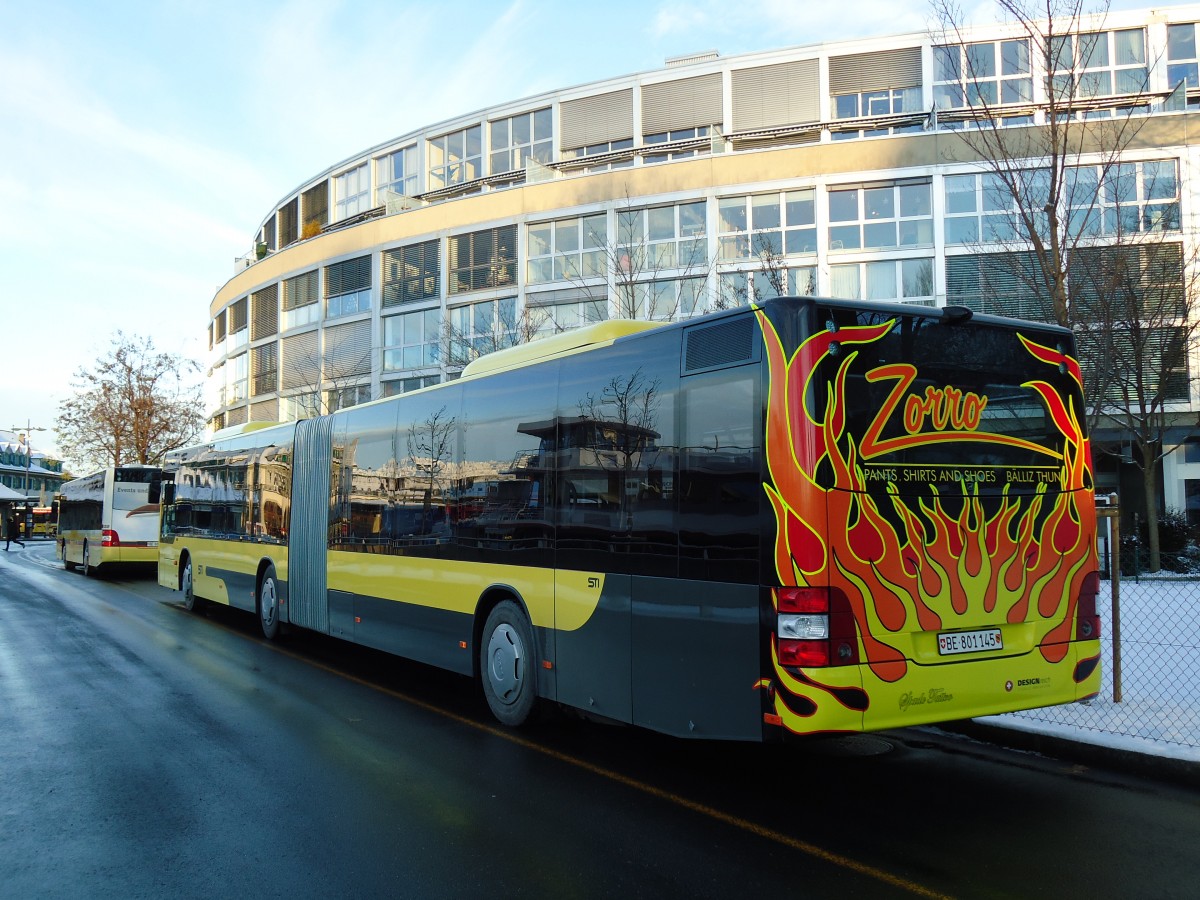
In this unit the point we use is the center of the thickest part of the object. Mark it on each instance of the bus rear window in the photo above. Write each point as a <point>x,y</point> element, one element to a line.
<point>952,397</point>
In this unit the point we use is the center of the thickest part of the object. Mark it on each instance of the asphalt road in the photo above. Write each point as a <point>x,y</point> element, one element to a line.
<point>149,752</point>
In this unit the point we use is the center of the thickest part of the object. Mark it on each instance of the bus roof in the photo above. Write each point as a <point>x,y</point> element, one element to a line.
<point>598,335</point>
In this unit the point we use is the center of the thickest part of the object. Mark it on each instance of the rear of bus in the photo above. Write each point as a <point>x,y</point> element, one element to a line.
<point>930,479</point>
<point>130,532</point>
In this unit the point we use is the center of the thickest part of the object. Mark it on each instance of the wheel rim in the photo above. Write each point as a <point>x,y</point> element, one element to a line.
<point>268,603</point>
<point>87,555</point>
<point>506,663</point>
<point>188,596</point>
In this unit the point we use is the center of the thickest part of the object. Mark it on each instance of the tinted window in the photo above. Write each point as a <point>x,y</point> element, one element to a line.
<point>615,452</point>
<point>720,479</point>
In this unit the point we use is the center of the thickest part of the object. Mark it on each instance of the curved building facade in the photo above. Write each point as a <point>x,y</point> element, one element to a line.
<point>837,169</point>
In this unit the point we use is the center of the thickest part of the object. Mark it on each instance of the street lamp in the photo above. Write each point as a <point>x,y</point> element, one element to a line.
<point>28,441</point>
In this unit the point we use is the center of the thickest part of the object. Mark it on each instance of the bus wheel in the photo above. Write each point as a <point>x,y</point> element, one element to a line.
<point>190,601</point>
<point>87,559</point>
<point>268,605</point>
<point>506,664</point>
<point>67,564</point>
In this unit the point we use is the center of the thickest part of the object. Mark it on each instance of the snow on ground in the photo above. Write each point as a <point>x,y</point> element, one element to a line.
<point>1159,712</point>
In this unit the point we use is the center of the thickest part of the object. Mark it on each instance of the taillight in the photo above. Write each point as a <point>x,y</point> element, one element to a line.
<point>109,538</point>
<point>815,628</point>
<point>1087,622</point>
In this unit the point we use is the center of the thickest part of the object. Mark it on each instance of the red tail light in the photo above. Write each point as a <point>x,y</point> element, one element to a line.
<point>109,538</point>
<point>1087,622</point>
<point>815,628</point>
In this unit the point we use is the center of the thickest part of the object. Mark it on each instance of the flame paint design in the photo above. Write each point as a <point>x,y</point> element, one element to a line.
<point>952,561</point>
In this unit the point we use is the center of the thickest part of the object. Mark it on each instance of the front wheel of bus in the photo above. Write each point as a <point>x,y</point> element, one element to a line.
<point>268,605</point>
<point>506,665</point>
<point>190,601</point>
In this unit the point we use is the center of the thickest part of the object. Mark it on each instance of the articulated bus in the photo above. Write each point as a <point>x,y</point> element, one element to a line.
<point>110,516</point>
<point>806,516</point>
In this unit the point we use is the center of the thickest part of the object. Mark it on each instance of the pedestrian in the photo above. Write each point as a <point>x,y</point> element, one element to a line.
<point>14,531</point>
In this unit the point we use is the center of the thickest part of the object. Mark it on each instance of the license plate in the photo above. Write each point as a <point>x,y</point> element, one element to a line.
<point>983,640</point>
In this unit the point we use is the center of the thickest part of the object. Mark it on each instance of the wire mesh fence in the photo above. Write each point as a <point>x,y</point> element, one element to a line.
<point>1151,669</point>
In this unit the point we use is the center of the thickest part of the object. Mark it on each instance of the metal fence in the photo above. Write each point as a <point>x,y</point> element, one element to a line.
<point>1151,661</point>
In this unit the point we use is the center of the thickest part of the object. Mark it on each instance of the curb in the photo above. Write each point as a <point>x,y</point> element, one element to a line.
<point>1159,768</point>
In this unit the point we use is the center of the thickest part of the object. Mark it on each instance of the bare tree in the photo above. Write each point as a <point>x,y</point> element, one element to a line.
<point>1136,328</point>
<point>1092,239</point>
<point>1033,141</point>
<point>430,448</point>
<point>132,406</point>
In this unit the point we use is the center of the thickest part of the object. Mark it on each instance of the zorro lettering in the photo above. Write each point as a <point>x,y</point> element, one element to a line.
<point>948,413</point>
<point>948,407</point>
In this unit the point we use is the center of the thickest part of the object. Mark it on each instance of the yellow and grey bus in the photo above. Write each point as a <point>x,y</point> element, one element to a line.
<point>805,516</point>
<point>110,516</point>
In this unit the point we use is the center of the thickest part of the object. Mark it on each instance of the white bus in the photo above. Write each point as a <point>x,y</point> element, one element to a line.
<point>110,516</point>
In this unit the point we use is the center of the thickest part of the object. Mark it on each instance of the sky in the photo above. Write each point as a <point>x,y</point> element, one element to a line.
<point>142,142</point>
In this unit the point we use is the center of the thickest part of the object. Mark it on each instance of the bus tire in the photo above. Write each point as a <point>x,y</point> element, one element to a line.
<point>186,584</point>
<point>506,665</point>
<point>88,569</point>
<point>268,604</point>
<point>67,564</point>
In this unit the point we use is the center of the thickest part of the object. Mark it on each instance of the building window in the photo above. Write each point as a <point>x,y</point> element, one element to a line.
<point>352,191</point>
<point>1098,64</point>
<point>983,74</point>
<point>300,300</point>
<point>910,280</point>
<point>518,139</point>
<point>266,369</point>
<point>264,312</point>
<point>483,259</point>
<point>1129,198</point>
<point>239,325</point>
<point>1001,284</point>
<point>666,299</point>
<point>666,137</point>
<point>410,273</point>
<point>396,173</point>
<point>455,158</point>
<point>480,328</point>
<point>237,374</point>
<point>739,288</point>
<point>567,250</point>
<point>348,287</point>
<point>342,397</point>
<point>767,225</point>
<point>599,150</point>
<point>559,317</point>
<point>405,385</point>
<point>411,341</point>
<point>219,328</point>
<point>876,103</point>
<point>981,208</point>
<point>661,237</point>
<point>301,406</point>
<point>880,217</point>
